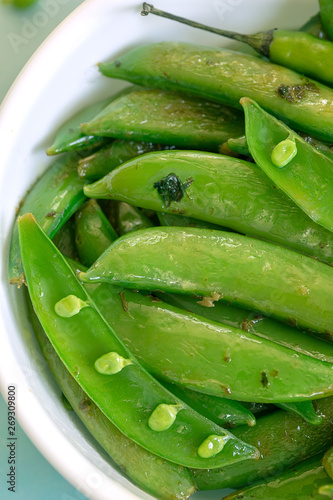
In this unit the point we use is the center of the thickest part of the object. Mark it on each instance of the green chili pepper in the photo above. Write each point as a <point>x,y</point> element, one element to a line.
<point>328,462</point>
<point>326,14</point>
<point>158,477</point>
<point>217,189</point>
<point>233,267</point>
<point>131,219</point>
<point>301,482</point>
<point>167,118</point>
<point>297,50</point>
<point>283,440</point>
<point>315,27</point>
<point>128,397</point>
<point>52,200</point>
<point>296,167</point>
<point>106,159</point>
<point>93,227</point>
<point>226,76</point>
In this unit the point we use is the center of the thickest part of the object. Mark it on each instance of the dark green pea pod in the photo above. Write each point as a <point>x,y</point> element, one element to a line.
<point>296,167</point>
<point>224,412</point>
<point>238,269</point>
<point>64,239</point>
<point>287,48</point>
<point>314,26</point>
<point>167,118</point>
<point>97,165</point>
<point>52,200</point>
<point>225,76</point>
<point>283,440</point>
<point>131,219</point>
<point>106,370</point>
<point>301,482</point>
<point>253,322</point>
<point>304,409</point>
<point>328,462</point>
<point>158,477</point>
<point>176,220</point>
<point>94,232</point>
<point>258,409</point>
<point>220,190</point>
<point>326,14</point>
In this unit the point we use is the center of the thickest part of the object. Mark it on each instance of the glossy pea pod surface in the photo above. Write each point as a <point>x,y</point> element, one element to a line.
<point>226,76</point>
<point>217,189</point>
<point>326,14</point>
<point>107,371</point>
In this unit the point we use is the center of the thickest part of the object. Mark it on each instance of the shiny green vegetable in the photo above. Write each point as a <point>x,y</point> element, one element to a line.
<point>82,339</point>
<point>296,167</point>
<point>315,27</point>
<point>164,117</point>
<point>64,239</point>
<point>131,219</point>
<point>52,200</point>
<point>326,14</point>
<point>326,490</point>
<point>297,50</point>
<point>170,219</point>
<point>283,440</point>
<point>158,477</point>
<point>328,462</point>
<point>217,189</point>
<point>301,483</point>
<point>305,410</point>
<point>93,227</point>
<point>225,76</point>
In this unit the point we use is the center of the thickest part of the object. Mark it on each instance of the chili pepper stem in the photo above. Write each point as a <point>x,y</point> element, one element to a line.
<point>260,41</point>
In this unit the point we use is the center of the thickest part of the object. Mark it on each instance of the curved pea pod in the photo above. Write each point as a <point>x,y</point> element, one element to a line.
<point>301,482</point>
<point>314,26</point>
<point>100,163</point>
<point>222,411</point>
<point>94,232</point>
<point>131,219</point>
<point>176,220</point>
<point>326,14</point>
<point>238,269</point>
<point>225,76</point>
<point>217,189</point>
<point>52,200</point>
<point>106,370</point>
<point>328,462</point>
<point>283,440</point>
<point>167,118</point>
<point>297,168</point>
<point>304,409</point>
<point>239,146</point>
<point>159,477</point>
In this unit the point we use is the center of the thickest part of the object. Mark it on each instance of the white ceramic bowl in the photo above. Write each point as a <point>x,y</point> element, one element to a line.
<point>59,80</point>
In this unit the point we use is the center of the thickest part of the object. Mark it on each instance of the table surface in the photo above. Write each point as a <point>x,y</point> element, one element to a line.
<point>21,32</point>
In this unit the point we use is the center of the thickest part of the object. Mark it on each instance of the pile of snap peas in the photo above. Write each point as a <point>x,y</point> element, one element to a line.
<point>178,258</point>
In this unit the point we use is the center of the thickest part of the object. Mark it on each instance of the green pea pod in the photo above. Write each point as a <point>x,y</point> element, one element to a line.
<point>314,26</point>
<point>283,440</point>
<point>282,47</point>
<point>52,200</point>
<point>131,219</point>
<point>236,268</point>
<point>169,118</point>
<point>304,409</point>
<point>301,482</point>
<point>222,411</point>
<point>64,239</point>
<point>217,189</point>
<point>259,409</point>
<point>225,76</point>
<point>328,462</point>
<point>326,14</point>
<point>296,167</point>
<point>106,370</point>
<point>106,159</point>
<point>93,227</point>
<point>175,220</point>
<point>158,477</point>
<point>326,490</point>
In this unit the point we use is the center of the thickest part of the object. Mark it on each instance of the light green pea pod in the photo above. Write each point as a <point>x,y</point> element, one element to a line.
<point>130,218</point>
<point>326,490</point>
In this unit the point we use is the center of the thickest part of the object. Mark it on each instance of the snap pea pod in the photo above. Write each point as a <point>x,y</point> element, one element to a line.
<point>166,219</point>
<point>304,409</point>
<point>283,440</point>
<point>296,167</point>
<point>222,411</point>
<point>64,239</point>
<point>131,219</point>
<point>52,200</point>
<point>287,48</point>
<point>326,14</point>
<point>301,482</point>
<point>164,117</point>
<point>106,370</point>
<point>97,165</point>
<point>326,490</point>
<point>159,477</point>
<point>226,76</point>
<point>217,189</point>
<point>328,462</point>
<point>315,27</point>
<point>93,227</point>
